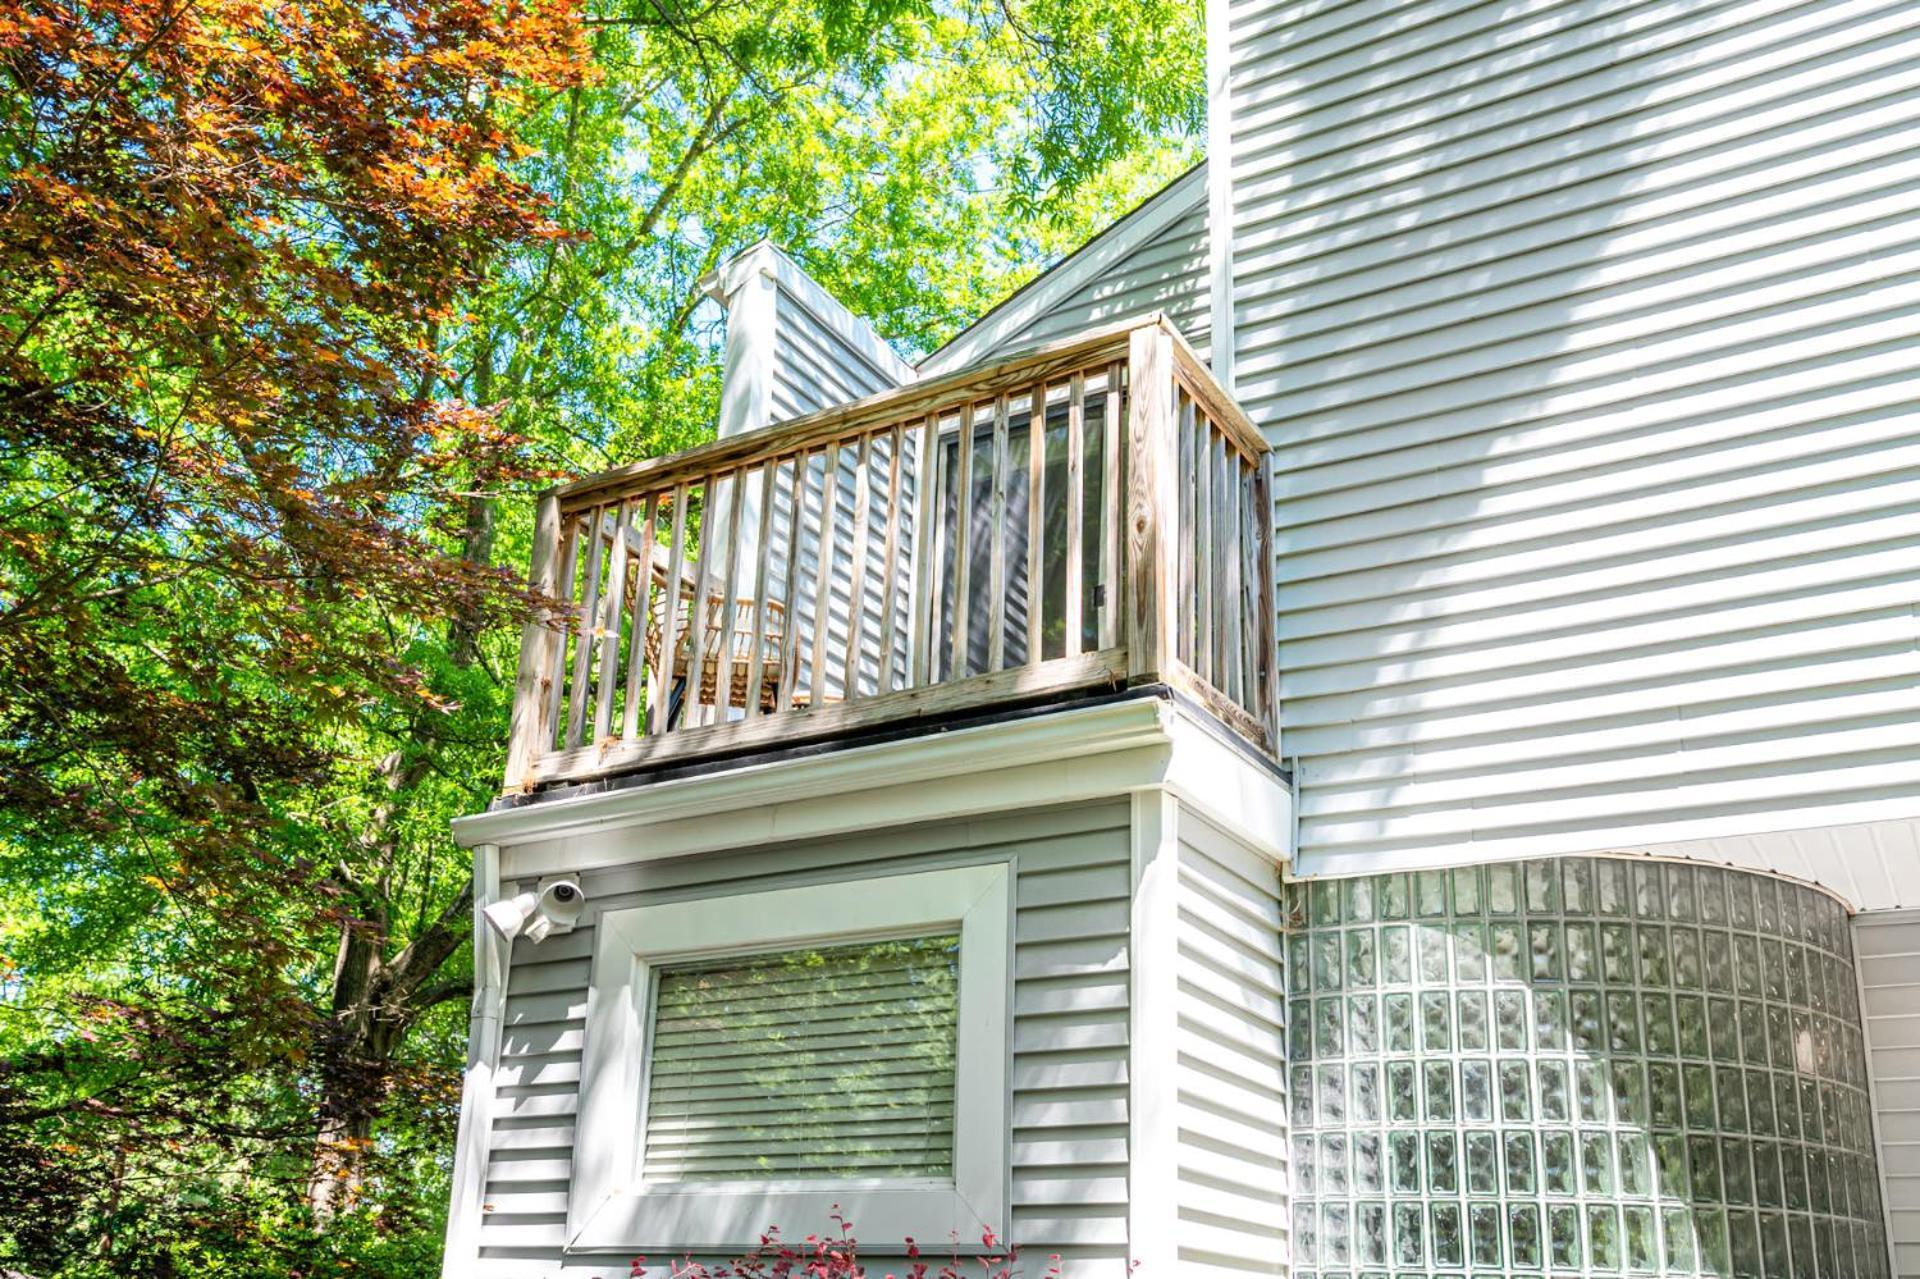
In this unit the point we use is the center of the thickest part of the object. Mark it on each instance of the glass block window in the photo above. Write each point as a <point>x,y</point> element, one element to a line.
<point>807,1063</point>
<point>1584,1066</point>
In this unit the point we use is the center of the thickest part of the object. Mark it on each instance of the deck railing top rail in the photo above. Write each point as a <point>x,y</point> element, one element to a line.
<point>1086,514</point>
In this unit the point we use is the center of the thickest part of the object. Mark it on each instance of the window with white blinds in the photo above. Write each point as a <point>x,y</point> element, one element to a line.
<point>823,1062</point>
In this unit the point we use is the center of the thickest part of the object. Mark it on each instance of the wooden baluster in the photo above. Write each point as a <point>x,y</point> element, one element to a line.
<point>1036,521</point>
<point>1249,590</point>
<point>763,553</point>
<point>1235,552</point>
<point>1219,466</point>
<point>1076,503</point>
<point>613,606</point>
<point>1203,591</point>
<point>927,548</point>
<point>691,701</point>
<point>890,574</point>
<point>997,543</point>
<point>660,699</point>
<point>857,571</point>
<point>1152,504</point>
<point>530,734</point>
<point>962,551</point>
<point>1110,505</point>
<point>556,674</point>
<point>583,643</point>
<point>823,587</point>
<point>790,592</point>
<point>1267,670</point>
<point>729,581</point>
<point>1184,524</point>
<point>631,725</point>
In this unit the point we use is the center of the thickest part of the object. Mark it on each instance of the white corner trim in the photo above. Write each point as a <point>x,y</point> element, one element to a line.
<point>768,261</point>
<point>466,1207</point>
<point>611,1209</point>
<point>1008,320</point>
<point>1153,965</point>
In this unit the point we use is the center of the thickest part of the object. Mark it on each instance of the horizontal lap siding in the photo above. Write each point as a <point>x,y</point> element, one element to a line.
<point>1887,946</point>
<point>1168,273</point>
<point>1230,1073</point>
<point>1584,334</point>
<point>813,368</point>
<point>1069,1068</point>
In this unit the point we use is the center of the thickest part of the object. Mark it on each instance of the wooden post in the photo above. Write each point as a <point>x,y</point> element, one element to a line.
<point>1152,550</point>
<point>531,733</point>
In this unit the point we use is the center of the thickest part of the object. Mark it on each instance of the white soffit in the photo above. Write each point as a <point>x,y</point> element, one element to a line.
<point>1006,321</point>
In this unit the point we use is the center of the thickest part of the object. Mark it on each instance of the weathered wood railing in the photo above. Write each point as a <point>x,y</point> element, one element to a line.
<point>915,553</point>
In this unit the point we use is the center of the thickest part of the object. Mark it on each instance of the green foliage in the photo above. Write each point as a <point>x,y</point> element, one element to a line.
<point>232,922</point>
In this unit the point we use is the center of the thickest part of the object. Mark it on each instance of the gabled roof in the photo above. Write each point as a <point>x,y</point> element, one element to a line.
<point>1061,281</point>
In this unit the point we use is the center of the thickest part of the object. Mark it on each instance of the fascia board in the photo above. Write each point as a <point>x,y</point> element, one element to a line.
<point>930,765</point>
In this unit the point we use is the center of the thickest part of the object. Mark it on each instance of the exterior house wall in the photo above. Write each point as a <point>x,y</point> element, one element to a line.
<point>1068,1073</point>
<point>1155,258</point>
<point>814,367</point>
<point>1583,331</point>
<point>1168,273</point>
<point>1230,1075</point>
<point>794,349</point>
<point>1887,945</point>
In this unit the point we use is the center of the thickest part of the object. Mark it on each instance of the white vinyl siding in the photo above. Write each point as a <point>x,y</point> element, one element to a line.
<point>1068,1116</point>
<point>1887,948</point>
<point>1584,334</point>
<point>1153,259</point>
<point>813,367</point>
<point>818,1062</point>
<point>1168,273</point>
<point>1230,1078</point>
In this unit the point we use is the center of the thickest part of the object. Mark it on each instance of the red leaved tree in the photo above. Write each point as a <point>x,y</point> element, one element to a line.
<point>228,230</point>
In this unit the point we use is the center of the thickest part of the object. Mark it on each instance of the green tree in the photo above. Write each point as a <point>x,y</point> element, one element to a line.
<point>233,922</point>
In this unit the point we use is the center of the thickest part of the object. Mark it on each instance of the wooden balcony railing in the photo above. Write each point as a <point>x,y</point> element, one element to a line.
<point>1089,514</point>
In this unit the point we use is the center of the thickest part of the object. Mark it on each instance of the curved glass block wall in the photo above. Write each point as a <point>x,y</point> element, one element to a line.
<point>1585,1066</point>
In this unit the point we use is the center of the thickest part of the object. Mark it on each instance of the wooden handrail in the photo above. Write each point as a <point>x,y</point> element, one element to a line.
<point>1088,512</point>
<point>916,400</point>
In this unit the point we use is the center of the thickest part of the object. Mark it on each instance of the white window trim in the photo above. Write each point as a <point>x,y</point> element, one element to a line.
<point>611,1208</point>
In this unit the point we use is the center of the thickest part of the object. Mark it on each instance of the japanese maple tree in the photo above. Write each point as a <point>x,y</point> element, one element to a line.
<point>228,232</point>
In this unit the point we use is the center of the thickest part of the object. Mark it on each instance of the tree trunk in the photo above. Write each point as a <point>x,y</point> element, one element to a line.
<point>377,995</point>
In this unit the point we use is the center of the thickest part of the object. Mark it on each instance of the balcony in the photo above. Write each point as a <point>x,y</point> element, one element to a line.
<point>1087,516</point>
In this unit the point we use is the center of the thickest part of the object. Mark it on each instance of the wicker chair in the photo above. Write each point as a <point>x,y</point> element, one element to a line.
<point>776,657</point>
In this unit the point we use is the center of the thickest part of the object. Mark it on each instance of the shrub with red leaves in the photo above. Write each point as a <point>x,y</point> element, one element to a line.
<point>836,1255</point>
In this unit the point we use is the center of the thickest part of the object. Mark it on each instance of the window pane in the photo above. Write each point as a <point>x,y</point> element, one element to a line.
<point>808,1063</point>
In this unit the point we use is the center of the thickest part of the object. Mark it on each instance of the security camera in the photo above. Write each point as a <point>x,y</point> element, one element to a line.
<point>553,907</point>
